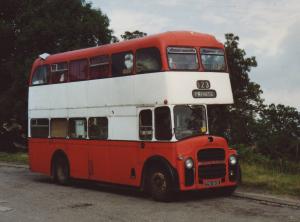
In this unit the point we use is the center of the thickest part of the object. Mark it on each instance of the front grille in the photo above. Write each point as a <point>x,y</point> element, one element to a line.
<point>211,154</point>
<point>211,171</point>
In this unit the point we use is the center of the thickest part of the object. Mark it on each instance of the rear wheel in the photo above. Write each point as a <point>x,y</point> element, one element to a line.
<point>160,185</point>
<point>61,170</point>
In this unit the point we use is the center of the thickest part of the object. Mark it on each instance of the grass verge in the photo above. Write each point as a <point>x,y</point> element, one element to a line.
<point>270,180</point>
<point>19,158</point>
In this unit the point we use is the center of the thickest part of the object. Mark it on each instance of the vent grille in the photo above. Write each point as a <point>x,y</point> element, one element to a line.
<point>212,154</point>
<point>211,171</point>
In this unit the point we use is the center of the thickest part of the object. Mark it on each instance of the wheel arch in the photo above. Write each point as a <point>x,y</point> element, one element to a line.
<point>55,155</point>
<point>159,161</point>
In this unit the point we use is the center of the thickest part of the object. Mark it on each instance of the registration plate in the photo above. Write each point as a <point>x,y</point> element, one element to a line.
<point>212,183</point>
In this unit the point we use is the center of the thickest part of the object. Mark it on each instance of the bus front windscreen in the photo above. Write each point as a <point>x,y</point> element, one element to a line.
<point>189,121</point>
<point>213,60</point>
<point>180,58</point>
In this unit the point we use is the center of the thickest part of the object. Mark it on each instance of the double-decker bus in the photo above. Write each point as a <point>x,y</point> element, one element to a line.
<point>133,113</point>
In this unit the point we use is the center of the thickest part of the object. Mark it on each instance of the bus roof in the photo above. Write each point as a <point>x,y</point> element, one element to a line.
<point>172,38</point>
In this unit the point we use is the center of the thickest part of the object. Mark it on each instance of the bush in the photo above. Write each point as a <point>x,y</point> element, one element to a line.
<point>251,156</point>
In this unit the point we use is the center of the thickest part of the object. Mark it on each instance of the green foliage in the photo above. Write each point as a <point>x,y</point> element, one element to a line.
<point>133,35</point>
<point>269,180</point>
<point>18,158</point>
<point>251,155</point>
<point>236,122</point>
<point>31,27</point>
<point>278,132</point>
<point>274,131</point>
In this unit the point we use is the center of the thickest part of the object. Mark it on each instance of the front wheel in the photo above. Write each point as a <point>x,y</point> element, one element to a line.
<point>61,171</point>
<point>160,185</point>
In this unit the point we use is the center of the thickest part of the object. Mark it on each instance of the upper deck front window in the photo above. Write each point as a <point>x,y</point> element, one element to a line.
<point>189,121</point>
<point>213,60</point>
<point>181,58</point>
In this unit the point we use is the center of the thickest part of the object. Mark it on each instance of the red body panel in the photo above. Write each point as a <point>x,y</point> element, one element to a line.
<point>160,41</point>
<point>112,161</point>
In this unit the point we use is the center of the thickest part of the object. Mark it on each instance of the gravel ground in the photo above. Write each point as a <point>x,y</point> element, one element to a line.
<point>25,196</point>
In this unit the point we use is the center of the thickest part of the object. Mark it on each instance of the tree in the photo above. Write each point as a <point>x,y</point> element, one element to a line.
<point>133,35</point>
<point>237,121</point>
<point>278,132</point>
<point>31,27</point>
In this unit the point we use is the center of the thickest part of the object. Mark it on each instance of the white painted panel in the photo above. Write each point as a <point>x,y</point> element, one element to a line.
<point>123,128</point>
<point>148,89</point>
<point>180,87</point>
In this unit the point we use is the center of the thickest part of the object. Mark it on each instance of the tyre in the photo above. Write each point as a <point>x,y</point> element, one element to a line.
<point>160,185</point>
<point>61,170</point>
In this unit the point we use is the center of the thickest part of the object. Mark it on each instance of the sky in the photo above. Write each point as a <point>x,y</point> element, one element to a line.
<point>268,30</point>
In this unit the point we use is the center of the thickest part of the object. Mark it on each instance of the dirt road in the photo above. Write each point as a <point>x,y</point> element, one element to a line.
<point>25,196</point>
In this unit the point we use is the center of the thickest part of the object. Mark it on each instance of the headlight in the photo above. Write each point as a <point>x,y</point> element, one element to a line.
<point>232,160</point>
<point>189,163</point>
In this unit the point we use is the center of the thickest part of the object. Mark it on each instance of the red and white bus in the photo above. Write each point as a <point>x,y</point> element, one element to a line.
<point>133,113</point>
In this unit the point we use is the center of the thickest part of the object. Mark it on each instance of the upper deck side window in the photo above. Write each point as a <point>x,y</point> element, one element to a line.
<point>122,64</point>
<point>182,58</point>
<point>99,67</point>
<point>78,70</point>
<point>148,60</point>
<point>41,75</point>
<point>213,60</point>
<point>59,72</point>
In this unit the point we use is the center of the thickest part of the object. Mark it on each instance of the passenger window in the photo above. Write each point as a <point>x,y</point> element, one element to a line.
<point>145,125</point>
<point>99,67</point>
<point>148,60</point>
<point>163,126</point>
<point>98,128</point>
<point>39,128</point>
<point>180,58</point>
<point>59,72</point>
<point>40,75</point>
<point>77,128</point>
<point>78,70</point>
<point>59,128</point>
<point>122,64</point>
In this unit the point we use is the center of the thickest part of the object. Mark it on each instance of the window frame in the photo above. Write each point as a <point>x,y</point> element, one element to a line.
<point>133,63</point>
<point>136,60</point>
<point>203,67</point>
<point>155,124</point>
<point>48,75</point>
<point>66,79</point>
<point>67,128</point>
<point>152,125</point>
<point>86,72</point>
<point>31,126</point>
<point>204,110</point>
<point>190,47</point>
<point>90,66</point>
<point>85,127</point>
<point>88,127</point>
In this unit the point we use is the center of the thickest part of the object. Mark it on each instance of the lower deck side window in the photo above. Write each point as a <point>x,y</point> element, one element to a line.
<point>77,128</point>
<point>59,128</point>
<point>98,128</point>
<point>39,128</point>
